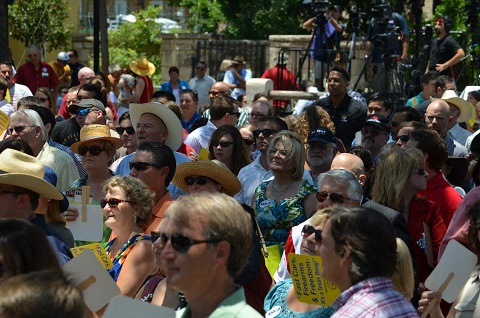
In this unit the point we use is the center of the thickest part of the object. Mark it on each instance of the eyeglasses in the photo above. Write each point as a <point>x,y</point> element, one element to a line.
<point>235,113</point>
<point>17,129</point>
<point>336,198</point>
<point>113,203</point>
<point>257,115</point>
<point>142,166</point>
<point>282,153</point>
<point>83,111</point>
<point>265,132</point>
<point>373,133</point>
<point>403,138</point>
<point>224,144</point>
<point>309,230</point>
<point>317,145</point>
<point>248,141</point>
<point>200,180</point>
<point>93,150</point>
<point>421,171</point>
<point>121,130</point>
<point>180,243</point>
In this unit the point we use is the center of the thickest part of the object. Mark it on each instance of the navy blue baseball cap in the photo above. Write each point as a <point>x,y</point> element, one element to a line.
<point>379,121</point>
<point>321,134</point>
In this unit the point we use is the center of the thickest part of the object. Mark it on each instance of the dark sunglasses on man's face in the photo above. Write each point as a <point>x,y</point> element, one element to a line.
<point>129,130</point>
<point>336,198</point>
<point>83,111</point>
<point>309,230</point>
<point>248,141</point>
<point>141,166</point>
<point>93,150</point>
<point>180,243</point>
<point>265,132</point>
<point>403,138</point>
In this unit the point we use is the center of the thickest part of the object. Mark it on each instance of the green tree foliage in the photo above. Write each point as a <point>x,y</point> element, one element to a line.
<point>204,15</point>
<point>140,39</point>
<point>454,9</point>
<point>40,22</point>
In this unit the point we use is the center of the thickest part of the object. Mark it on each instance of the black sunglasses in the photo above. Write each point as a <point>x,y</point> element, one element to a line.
<point>403,138</point>
<point>142,166</point>
<point>265,132</point>
<point>309,230</point>
<point>129,130</point>
<point>235,113</point>
<point>17,129</point>
<point>224,144</point>
<point>257,115</point>
<point>336,198</point>
<point>200,180</point>
<point>248,141</point>
<point>111,202</point>
<point>93,150</point>
<point>180,243</point>
<point>420,171</point>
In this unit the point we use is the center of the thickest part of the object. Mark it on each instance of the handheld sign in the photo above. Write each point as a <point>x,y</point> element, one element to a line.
<point>125,307</point>
<point>99,252</point>
<point>203,155</point>
<point>91,277</point>
<point>4,122</point>
<point>310,287</point>
<point>89,224</point>
<point>449,263</point>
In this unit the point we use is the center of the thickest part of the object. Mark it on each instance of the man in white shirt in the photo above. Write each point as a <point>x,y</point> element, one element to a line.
<point>202,83</point>
<point>237,76</point>
<point>15,91</point>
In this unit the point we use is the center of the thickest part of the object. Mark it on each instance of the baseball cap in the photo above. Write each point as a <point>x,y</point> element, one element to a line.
<point>86,103</point>
<point>379,121</point>
<point>321,134</point>
<point>63,56</point>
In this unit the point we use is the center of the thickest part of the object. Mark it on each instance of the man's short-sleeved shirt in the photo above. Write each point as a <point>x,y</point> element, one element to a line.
<point>43,77</point>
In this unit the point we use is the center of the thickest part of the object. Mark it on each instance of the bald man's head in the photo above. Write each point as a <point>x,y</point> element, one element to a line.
<point>84,74</point>
<point>437,117</point>
<point>218,88</point>
<point>352,163</point>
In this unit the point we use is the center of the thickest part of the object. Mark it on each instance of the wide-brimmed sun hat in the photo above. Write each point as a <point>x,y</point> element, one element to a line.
<point>171,121</point>
<point>465,109</point>
<point>210,169</point>
<point>21,170</point>
<point>142,67</point>
<point>239,60</point>
<point>96,133</point>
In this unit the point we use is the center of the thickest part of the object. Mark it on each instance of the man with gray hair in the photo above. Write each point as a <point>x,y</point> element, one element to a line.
<point>27,125</point>
<point>36,73</point>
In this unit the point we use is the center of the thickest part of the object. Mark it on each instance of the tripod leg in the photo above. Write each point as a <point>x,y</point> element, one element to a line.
<point>350,53</point>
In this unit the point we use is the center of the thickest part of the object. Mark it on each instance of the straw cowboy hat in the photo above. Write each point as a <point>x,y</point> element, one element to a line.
<point>142,67</point>
<point>465,109</point>
<point>208,168</point>
<point>24,171</point>
<point>171,121</point>
<point>239,60</point>
<point>96,133</point>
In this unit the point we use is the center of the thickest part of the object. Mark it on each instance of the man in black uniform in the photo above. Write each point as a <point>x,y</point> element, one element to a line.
<point>346,113</point>
<point>445,51</point>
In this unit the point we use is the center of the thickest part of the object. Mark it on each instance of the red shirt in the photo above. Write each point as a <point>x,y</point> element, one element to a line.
<point>147,91</point>
<point>43,77</point>
<point>282,79</point>
<point>444,195</point>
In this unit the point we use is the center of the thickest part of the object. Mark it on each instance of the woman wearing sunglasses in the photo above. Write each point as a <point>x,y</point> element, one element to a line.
<point>46,97</point>
<point>399,176</point>
<point>226,145</point>
<point>281,298</point>
<point>127,206</point>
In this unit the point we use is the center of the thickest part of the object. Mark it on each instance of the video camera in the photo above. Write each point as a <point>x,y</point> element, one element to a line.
<point>319,7</point>
<point>355,15</point>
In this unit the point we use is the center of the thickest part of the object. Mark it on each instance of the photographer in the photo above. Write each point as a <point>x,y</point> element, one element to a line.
<point>326,27</point>
<point>445,51</point>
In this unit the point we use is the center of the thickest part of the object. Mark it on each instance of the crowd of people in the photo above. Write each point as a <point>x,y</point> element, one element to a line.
<point>204,196</point>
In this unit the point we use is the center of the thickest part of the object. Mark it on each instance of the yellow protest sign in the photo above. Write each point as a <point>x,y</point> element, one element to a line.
<point>99,252</point>
<point>4,122</point>
<point>203,155</point>
<point>310,287</point>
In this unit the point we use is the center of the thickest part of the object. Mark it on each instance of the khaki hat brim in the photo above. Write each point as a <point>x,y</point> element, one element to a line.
<point>40,186</point>
<point>206,168</point>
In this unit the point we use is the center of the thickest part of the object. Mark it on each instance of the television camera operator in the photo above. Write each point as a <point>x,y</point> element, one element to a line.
<point>326,31</point>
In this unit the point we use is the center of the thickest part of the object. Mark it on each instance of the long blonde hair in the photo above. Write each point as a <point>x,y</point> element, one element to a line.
<point>392,174</point>
<point>402,278</point>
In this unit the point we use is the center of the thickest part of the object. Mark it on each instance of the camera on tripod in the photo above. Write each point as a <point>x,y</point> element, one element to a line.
<point>319,7</point>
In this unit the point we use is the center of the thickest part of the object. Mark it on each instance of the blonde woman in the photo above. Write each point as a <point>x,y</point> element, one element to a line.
<point>403,278</point>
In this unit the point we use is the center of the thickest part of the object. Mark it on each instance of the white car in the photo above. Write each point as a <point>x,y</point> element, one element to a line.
<point>167,25</point>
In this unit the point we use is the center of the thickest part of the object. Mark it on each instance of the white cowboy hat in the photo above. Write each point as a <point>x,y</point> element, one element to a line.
<point>96,132</point>
<point>142,67</point>
<point>171,121</point>
<point>465,109</point>
<point>24,171</point>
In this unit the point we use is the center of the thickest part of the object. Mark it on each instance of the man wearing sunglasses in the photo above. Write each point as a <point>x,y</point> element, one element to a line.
<point>203,242</point>
<point>202,82</point>
<point>27,125</point>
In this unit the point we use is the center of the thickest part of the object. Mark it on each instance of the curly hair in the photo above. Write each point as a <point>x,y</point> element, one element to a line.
<point>313,117</point>
<point>240,157</point>
<point>137,192</point>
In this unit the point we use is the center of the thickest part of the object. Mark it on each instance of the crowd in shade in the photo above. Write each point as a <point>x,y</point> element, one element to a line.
<point>209,195</point>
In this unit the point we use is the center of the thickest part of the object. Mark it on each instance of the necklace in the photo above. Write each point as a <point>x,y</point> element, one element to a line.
<point>281,192</point>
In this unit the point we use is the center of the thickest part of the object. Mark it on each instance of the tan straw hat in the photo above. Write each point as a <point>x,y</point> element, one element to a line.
<point>142,67</point>
<point>24,171</point>
<point>210,169</point>
<point>96,133</point>
<point>175,131</point>
<point>465,109</point>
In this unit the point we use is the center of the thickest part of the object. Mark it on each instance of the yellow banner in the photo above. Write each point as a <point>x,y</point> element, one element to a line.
<point>4,122</point>
<point>99,252</point>
<point>310,286</point>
